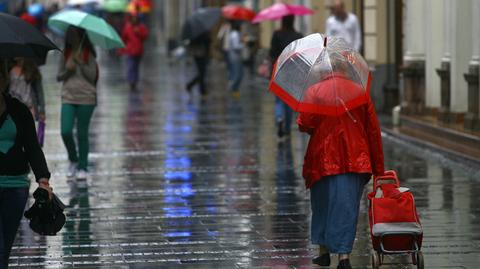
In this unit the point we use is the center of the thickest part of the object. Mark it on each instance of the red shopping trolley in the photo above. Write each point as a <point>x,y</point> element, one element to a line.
<point>394,224</point>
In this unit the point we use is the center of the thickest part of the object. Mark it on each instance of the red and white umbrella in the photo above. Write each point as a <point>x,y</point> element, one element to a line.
<point>322,75</point>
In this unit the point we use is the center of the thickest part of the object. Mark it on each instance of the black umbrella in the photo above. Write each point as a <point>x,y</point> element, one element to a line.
<point>20,39</point>
<point>201,21</point>
<point>46,216</point>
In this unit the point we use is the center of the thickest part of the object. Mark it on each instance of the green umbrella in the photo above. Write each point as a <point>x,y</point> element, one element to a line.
<point>98,30</point>
<point>115,5</point>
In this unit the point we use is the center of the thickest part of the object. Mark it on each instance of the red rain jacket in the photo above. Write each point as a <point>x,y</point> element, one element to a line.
<point>133,36</point>
<point>350,143</point>
<point>29,19</point>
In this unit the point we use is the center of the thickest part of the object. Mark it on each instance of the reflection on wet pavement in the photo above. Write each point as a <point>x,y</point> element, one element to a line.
<point>205,184</point>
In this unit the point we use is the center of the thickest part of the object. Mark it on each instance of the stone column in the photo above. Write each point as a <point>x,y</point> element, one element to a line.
<point>444,70</point>
<point>414,59</point>
<point>433,34</point>
<point>461,53</point>
<point>472,121</point>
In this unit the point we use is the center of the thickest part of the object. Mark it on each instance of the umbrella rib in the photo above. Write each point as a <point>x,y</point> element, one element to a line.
<point>305,83</point>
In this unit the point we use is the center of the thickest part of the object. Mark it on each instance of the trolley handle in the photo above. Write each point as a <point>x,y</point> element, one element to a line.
<point>390,176</point>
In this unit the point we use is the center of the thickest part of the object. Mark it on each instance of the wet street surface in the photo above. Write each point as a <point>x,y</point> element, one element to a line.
<point>205,183</point>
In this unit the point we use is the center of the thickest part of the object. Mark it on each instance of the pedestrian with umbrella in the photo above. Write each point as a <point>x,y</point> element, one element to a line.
<point>235,45</point>
<point>19,148</point>
<point>196,33</point>
<point>26,85</point>
<point>280,39</point>
<point>79,73</point>
<point>134,35</point>
<point>328,83</point>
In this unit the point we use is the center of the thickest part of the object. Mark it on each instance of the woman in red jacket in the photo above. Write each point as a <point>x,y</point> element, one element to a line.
<point>342,154</point>
<point>133,35</point>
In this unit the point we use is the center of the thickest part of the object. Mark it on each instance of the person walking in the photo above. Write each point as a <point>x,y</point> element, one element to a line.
<point>199,47</point>
<point>79,73</point>
<point>251,47</point>
<point>134,35</point>
<point>223,43</point>
<point>26,85</point>
<point>280,40</point>
<point>343,152</point>
<point>19,151</point>
<point>235,47</point>
<point>345,25</point>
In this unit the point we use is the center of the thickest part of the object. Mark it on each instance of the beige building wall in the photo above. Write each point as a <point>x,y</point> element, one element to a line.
<point>375,32</point>
<point>266,28</point>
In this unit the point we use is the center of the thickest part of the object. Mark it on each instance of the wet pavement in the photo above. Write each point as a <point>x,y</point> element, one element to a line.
<point>204,183</point>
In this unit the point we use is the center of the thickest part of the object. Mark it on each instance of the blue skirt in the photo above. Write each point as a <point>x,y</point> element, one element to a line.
<point>335,202</point>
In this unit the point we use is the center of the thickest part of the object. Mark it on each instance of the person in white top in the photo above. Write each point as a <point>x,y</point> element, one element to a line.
<point>345,25</point>
<point>235,47</point>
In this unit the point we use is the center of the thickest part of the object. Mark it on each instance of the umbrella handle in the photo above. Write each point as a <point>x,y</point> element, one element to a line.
<point>325,42</point>
<point>346,108</point>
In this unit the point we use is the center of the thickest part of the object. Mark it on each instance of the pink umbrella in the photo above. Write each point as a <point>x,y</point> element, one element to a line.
<point>280,10</point>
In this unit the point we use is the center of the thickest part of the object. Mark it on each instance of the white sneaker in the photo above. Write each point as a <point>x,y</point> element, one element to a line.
<point>72,170</point>
<point>82,174</point>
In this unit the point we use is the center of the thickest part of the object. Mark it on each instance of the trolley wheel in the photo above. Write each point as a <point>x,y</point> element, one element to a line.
<point>420,261</point>
<point>375,260</point>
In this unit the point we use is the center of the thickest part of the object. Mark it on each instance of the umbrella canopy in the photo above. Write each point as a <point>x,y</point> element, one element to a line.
<point>200,22</point>
<point>46,216</point>
<point>323,75</point>
<point>140,6</point>
<point>114,6</point>
<point>279,10</point>
<point>98,30</point>
<point>235,12</point>
<point>36,10</point>
<point>83,2</point>
<point>20,39</point>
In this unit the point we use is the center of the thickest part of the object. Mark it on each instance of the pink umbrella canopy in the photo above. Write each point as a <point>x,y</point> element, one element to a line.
<point>280,10</point>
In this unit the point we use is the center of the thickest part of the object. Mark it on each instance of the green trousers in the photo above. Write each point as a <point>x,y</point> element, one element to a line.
<point>82,115</point>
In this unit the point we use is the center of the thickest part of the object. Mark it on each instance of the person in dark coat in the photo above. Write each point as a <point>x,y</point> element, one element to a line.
<point>280,39</point>
<point>200,50</point>
<point>19,151</point>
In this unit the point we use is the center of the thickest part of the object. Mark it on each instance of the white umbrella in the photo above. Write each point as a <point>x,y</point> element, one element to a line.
<point>83,2</point>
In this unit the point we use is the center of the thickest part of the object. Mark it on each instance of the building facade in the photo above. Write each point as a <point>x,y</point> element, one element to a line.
<point>424,54</point>
<point>441,61</point>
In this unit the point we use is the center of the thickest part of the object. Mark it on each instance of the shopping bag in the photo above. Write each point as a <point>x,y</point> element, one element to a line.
<point>41,132</point>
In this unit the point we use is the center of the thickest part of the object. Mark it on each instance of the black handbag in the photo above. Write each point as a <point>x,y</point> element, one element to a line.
<point>46,216</point>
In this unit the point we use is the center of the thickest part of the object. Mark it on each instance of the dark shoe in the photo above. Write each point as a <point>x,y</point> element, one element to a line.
<point>133,87</point>
<point>344,264</point>
<point>280,129</point>
<point>323,260</point>
<point>188,88</point>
